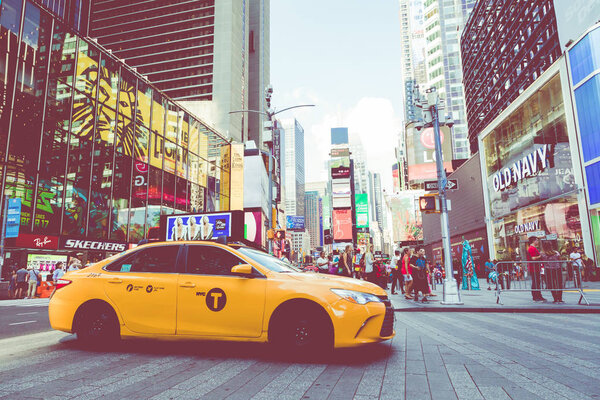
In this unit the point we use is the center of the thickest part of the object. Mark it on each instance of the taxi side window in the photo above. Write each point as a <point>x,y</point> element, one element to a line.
<point>206,260</point>
<point>154,259</point>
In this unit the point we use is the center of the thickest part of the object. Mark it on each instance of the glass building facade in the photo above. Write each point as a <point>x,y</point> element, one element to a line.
<point>584,61</point>
<point>89,146</point>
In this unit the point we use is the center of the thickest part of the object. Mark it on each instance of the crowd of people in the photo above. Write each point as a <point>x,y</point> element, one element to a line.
<point>407,270</point>
<point>25,281</point>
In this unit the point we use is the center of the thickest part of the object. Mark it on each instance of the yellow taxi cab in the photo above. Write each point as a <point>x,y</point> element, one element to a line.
<point>214,291</point>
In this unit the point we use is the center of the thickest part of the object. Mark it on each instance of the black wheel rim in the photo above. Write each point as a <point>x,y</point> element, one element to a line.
<point>303,333</point>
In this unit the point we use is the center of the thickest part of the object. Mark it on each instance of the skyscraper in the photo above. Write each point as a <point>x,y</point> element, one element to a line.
<point>258,66</point>
<point>198,52</point>
<point>444,22</point>
<point>313,221</point>
<point>293,159</point>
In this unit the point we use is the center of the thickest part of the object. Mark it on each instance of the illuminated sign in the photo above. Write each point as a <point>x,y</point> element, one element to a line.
<point>198,226</point>
<point>530,165</point>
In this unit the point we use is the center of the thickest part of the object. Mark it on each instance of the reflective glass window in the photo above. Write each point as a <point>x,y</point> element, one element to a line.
<point>194,171</point>
<point>181,194</point>
<point>157,144</point>
<point>10,15</point>
<point>170,156</point>
<point>182,162</point>
<point>120,203</point>
<point>125,123</point>
<point>168,193</point>
<point>172,123</point>
<point>158,113</point>
<point>196,194</point>
<point>206,260</point>
<point>100,191</point>
<point>154,186</point>
<point>184,136</point>
<point>194,142</point>
<point>86,81</point>
<point>587,98</point>
<point>153,259</point>
<point>139,200</point>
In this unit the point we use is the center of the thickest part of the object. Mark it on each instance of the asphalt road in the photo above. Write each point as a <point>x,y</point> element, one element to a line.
<point>21,317</point>
<point>434,356</point>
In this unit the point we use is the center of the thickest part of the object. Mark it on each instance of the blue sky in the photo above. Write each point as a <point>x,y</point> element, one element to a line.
<point>343,56</point>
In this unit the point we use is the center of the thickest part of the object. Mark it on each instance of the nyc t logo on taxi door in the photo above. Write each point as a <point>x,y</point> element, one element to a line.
<point>216,299</point>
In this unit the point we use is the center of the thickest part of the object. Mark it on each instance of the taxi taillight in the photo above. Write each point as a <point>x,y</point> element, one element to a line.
<point>61,283</point>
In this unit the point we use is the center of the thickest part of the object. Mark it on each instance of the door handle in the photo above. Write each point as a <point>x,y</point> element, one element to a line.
<point>187,285</point>
<point>115,280</point>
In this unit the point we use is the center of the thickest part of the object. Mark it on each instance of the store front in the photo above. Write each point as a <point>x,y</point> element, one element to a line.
<point>479,249</point>
<point>529,163</point>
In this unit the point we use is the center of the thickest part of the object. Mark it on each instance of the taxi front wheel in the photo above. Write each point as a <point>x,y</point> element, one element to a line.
<point>97,324</point>
<point>302,330</point>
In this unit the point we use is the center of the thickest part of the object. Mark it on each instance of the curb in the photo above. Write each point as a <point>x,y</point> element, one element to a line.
<point>595,310</point>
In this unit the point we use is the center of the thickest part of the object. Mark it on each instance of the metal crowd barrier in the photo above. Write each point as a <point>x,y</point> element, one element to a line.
<point>538,276</point>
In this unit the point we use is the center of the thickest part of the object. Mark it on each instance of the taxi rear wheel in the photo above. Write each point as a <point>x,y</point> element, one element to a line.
<point>302,330</point>
<point>97,324</point>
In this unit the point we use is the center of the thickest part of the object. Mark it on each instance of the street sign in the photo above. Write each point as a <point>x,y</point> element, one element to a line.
<point>433,185</point>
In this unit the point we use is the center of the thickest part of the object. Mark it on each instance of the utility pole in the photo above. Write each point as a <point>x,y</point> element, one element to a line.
<point>431,118</point>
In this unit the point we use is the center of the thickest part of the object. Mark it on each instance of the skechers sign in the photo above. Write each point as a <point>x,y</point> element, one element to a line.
<point>97,245</point>
<point>530,165</point>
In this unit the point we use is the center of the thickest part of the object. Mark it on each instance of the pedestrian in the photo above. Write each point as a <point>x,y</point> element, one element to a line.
<point>369,268</point>
<point>21,278</point>
<point>322,263</point>
<point>12,286</point>
<point>397,277</point>
<point>356,270</point>
<point>32,279</point>
<point>344,266</point>
<point>74,266</point>
<point>333,265</point>
<point>488,268</point>
<point>407,273</point>
<point>554,279</point>
<point>534,268</point>
<point>419,268</point>
<point>58,272</point>
<point>576,266</point>
<point>589,265</point>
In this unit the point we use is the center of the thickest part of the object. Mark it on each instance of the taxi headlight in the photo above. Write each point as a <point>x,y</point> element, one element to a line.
<point>356,297</point>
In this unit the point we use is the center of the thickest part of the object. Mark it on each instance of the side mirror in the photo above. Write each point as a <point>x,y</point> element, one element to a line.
<point>242,269</point>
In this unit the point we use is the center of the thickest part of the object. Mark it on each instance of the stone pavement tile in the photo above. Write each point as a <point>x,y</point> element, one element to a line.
<point>236,382</point>
<point>365,397</point>
<point>302,383</point>
<point>323,385</point>
<point>346,386</point>
<point>493,393</point>
<point>518,393</point>
<point>434,363</point>
<point>372,379</point>
<point>439,382</point>
<point>258,383</point>
<point>394,380</point>
<point>483,376</point>
<point>464,393</point>
<point>279,383</point>
<point>415,367</point>
<point>155,385</point>
<point>443,395</point>
<point>417,387</point>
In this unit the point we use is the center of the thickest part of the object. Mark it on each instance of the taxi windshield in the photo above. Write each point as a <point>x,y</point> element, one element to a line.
<point>268,261</point>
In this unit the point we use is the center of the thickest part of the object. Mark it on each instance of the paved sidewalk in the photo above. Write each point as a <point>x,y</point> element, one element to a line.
<point>514,301</point>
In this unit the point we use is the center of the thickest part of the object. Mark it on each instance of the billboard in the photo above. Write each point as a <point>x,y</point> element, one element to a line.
<point>253,227</point>
<point>326,212</point>
<point>396,177</point>
<point>341,189</point>
<point>341,202</point>
<point>420,152</point>
<point>406,219</point>
<point>363,238</point>
<point>342,224</point>
<point>237,177</point>
<point>362,210</point>
<point>198,226</point>
<point>337,153</point>
<point>339,136</point>
<point>295,222</point>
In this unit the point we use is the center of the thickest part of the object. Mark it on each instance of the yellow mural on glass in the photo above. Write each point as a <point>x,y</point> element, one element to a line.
<point>203,150</point>
<point>194,137</point>
<point>158,117</point>
<point>171,133</point>
<point>194,169</point>
<point>185,130</point>
<point>170,156</point>
<point>182,155</point>
<point>203,172</point>
<point>156,150</point>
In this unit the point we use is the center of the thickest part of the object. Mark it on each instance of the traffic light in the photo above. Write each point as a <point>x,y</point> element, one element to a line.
<point>279,234</point>
<point>429,203</point>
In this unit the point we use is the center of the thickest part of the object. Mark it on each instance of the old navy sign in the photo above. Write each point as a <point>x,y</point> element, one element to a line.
<point>532,226</point>
<point>531,164</point>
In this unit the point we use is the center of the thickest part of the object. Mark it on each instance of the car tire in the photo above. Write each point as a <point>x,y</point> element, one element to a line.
<point>97,325</point>
<point>301,331</point>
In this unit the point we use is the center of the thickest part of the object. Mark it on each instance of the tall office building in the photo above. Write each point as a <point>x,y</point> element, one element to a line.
<point>258,66</point>
<point>495,77</point>
<point>314,218</point>
<point>444,22</point>
<point>357,153</point>
<point>293,166</point>
<point>198,52</point>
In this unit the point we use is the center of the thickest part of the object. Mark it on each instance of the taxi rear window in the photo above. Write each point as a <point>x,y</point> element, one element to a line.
<point>268,261</point>
<point>158,259</point>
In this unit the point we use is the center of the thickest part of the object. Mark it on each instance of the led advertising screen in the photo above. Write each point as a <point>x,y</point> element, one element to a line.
<point>198,226</point>
<point>342,224</point>
<point>362,210</point>
<point>420,151</point>
<point>295,222</point>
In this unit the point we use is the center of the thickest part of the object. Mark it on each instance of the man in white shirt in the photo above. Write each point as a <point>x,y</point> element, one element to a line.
<point>369,261</point>
<point>322,263</point>
<point>577,262</point>
<point>397,277</point>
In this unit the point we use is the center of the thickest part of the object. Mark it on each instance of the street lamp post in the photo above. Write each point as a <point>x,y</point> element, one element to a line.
<point>431,108</point>
<point>270,113</point>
